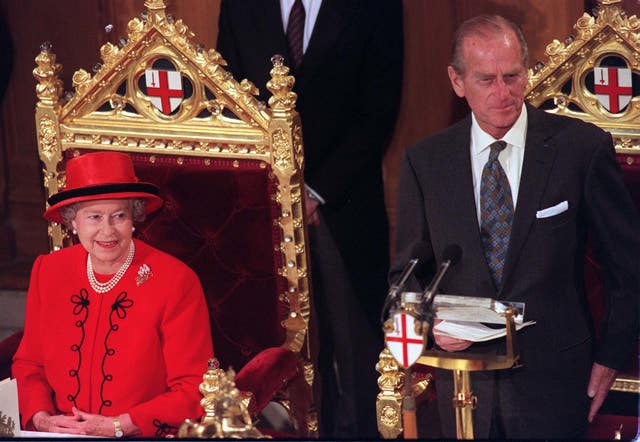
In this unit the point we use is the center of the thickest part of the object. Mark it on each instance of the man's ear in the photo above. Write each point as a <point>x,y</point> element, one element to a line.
<point>456,81</point>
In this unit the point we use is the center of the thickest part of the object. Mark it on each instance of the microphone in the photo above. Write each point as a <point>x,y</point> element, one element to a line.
<point>450,257</point>
<point>416,265</point>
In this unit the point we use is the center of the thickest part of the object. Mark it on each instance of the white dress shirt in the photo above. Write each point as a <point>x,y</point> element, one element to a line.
<point>311,8</point>
<point>510,158</point>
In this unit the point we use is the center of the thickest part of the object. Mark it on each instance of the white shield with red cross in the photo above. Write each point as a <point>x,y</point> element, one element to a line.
<point>164,88</point>
<point>612,87</point>
<point>403,342</point>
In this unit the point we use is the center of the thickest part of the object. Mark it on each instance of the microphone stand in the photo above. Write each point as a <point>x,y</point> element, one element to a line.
<point>394,290</point>
<point>409,421</point>
<point>430,293</point>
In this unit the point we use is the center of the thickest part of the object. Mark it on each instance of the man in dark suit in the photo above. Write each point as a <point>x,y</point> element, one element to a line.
<point>348,82</point>
<point>521,210</point>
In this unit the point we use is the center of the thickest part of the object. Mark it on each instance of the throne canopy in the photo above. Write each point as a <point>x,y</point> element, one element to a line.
<point>594,75</point>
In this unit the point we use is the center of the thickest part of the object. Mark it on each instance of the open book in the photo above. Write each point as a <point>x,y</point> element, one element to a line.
<point>464,317</point>
<point>9,417</point>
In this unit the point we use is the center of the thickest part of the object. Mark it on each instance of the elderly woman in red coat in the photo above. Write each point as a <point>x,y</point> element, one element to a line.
<point>117,332</point>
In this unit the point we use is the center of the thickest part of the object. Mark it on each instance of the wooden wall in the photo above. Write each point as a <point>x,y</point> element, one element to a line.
<point>76,28</point>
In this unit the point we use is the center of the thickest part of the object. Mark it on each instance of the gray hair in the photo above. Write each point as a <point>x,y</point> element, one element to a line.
<point>138,211</point>
<point>484,26</point>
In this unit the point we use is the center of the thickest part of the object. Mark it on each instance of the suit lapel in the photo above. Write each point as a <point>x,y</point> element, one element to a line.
<point>465,217</point>
<point>539,156</point>
<point>332,17</point>
<point>267,18</point>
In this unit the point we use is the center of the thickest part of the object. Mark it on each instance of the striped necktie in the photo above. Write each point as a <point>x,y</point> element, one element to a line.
<point>496,212</point>
<point>295,32</point>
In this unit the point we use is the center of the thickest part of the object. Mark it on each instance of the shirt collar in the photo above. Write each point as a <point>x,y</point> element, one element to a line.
<point>480,140</point>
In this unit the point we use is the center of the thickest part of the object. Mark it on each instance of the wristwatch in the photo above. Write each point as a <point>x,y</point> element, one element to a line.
<point>117,428</point>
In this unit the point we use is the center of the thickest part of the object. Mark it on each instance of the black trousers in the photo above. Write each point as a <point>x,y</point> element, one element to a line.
<point>349,346</point>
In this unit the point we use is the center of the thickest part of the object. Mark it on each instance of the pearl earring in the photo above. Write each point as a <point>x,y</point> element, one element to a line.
<point>75,232</point>
<point>133,228</point>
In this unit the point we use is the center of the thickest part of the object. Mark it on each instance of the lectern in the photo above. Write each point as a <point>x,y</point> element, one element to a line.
<point>393,378</point>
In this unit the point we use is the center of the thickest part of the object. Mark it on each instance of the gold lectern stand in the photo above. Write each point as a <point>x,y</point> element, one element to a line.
<point>461,364</point>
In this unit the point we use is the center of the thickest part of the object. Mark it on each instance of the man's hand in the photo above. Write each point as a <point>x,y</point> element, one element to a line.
<point>448,343</point>
<point>600,383</point>
<point>311,208</point>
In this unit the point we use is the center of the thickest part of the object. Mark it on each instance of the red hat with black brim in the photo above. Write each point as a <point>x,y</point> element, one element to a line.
<point>101,176</point>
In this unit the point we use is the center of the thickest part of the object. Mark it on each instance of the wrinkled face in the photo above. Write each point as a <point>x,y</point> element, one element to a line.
<point>493,82</point>
<point>104,229</point>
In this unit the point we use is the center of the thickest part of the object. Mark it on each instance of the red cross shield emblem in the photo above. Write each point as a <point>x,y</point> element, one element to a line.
<point>403,342</point>
<point>164,88</point>
<point>612,87</point>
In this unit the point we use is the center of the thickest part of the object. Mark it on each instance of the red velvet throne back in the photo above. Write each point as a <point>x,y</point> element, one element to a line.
<point>230,170</point>
<point>226,235</point>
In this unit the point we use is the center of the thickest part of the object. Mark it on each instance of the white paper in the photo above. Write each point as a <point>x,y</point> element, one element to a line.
<point>473,331</point>
<point>475,309</point>
<point>9,415</point>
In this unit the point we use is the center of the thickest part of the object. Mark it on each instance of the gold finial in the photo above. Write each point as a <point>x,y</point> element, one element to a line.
<point>281,84</point>
<point>211,381</point>
<point>49,88</point>
<point>156,11</point>
<point>154,5</point>
<point>225,409</point>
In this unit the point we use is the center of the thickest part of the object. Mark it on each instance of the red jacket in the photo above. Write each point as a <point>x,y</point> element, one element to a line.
<point>139,349</point>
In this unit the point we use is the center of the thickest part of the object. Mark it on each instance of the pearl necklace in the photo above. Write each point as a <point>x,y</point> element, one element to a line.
<point>104,287</point>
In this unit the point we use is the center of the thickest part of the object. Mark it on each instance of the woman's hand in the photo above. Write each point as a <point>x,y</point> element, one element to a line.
<point>59,423</point>
<point>94,424</point>
<point>98,425</point>
<point>448,343</point>
<point>82,423</point>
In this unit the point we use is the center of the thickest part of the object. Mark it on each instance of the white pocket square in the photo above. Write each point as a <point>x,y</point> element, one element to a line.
<point>553,210</point>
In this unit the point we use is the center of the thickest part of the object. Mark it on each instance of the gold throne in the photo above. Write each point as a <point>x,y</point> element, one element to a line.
<point>230,171</point>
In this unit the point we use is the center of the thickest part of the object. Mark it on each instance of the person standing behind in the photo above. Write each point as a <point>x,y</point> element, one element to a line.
<point>346,56</point>
<point>519,190</point>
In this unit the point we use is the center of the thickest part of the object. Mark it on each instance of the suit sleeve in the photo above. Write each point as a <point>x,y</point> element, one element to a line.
<point>34,392</point>
<point>361,146</point>
<point>411,223</point>
<point>614,224</point>
<point>186,336</point>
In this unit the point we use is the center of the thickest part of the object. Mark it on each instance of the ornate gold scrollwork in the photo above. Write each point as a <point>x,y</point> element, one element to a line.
<point>49,87</point>
<point>388,402</point>
<point>48,138</point>
<point>281,150</point>
<point>226,413</point>
<point>562,77</point>
<point>281,85</point>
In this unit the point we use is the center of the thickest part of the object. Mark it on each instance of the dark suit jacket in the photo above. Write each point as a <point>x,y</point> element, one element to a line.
<point>565,160</point>
<point>348,88</point>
